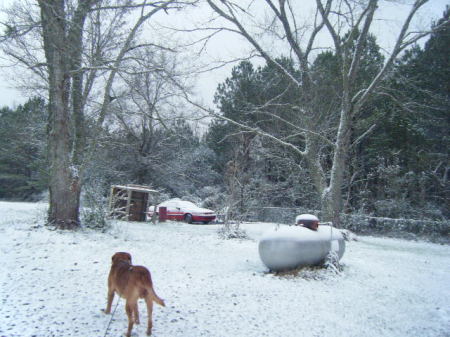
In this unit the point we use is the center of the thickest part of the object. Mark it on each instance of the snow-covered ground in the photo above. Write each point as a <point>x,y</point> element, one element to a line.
<point>53,283</point>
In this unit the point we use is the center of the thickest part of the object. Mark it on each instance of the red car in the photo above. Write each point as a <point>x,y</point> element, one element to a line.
<point>180,210</point>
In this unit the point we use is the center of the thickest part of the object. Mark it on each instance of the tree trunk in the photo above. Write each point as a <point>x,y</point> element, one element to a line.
<point>332,197</point>
<point>315,168</point>
<point>64,184</point>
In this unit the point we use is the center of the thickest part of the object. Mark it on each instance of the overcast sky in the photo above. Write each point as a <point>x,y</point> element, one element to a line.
<point>231,46</point>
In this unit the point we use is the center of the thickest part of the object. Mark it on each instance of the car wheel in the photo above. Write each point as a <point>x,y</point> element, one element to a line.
<point>188,218</point>
<point>206,222</point>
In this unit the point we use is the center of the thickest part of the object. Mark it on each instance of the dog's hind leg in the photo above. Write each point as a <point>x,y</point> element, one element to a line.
<point>149,302</point>
<point>136,313</point>
<point>129,311</point>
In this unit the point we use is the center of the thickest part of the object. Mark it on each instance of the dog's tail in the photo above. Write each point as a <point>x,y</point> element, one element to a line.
<point>155,297</point>
<point>146,280</point>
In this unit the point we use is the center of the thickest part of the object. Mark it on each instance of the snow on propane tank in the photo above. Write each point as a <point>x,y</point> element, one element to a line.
<point>289,247</point>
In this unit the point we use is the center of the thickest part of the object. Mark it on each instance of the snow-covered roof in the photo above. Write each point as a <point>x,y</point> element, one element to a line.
<point>137,188</point>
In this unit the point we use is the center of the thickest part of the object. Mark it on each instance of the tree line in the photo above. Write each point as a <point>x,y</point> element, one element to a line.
<point>349,129</point>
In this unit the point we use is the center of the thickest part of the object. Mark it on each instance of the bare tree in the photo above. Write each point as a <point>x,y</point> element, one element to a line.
<point>149,91</point>
<point>70,79</point>
<point>345,22</point>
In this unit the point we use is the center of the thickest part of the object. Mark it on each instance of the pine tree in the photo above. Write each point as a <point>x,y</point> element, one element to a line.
<point>23,168</point>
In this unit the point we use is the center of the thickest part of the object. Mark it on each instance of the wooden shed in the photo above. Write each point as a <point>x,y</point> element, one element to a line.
<point>130,202</point>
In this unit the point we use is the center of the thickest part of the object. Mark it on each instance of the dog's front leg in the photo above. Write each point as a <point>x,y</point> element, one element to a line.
<point>110,300</point>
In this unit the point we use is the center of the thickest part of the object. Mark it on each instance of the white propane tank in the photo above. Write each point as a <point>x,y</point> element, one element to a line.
<point>289,247</point>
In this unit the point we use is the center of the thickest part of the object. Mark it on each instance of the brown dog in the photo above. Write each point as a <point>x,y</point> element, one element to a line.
<point>131,282</point>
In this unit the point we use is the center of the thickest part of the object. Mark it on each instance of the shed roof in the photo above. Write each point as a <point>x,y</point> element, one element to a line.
<point>137,188</point>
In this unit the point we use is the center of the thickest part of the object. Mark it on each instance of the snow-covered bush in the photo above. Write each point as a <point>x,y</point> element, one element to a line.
<point>95,208</point>
<point>232,230</point>
<point>332,262</point>
<point>348,235</point>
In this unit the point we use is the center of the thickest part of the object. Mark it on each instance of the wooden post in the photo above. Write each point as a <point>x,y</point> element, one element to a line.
<point>111,201</point>
<point>162,214</point>
<point>127,210</point>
